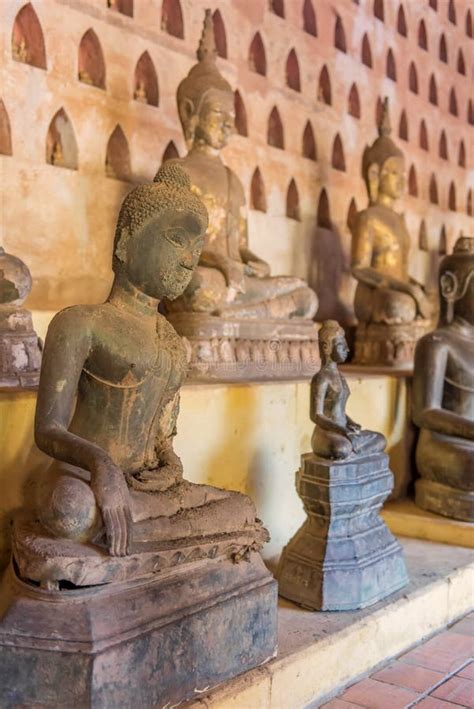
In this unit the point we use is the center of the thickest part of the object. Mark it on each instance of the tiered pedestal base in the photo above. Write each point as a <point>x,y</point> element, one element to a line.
<point>222,349</point>
<point>445,500</point>
<point>388,345</point>
<point>153,642</point>
<point>343,557</point>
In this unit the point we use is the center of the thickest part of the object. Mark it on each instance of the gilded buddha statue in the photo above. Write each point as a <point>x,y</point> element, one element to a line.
<point>392,309</point>
<point>443,394</point>
<point>115,538</point>
<point>233,310</point>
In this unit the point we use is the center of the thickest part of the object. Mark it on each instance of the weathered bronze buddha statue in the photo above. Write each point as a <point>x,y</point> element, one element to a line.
<point>393,310</point>
<point>117,537</point>
<point>233,308</point>
<point>443,394</point>
<point>343,557</point>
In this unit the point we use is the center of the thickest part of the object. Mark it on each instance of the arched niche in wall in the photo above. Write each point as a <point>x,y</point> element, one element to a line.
<point>240,115</point>
<point>27,38</point>
<point>443,242</point>
<point>324,87</point>
<point>443,49</point>
<point>278,8</point>
<point>379,11</point>
<point>423,237</point>
<point>172,18</point>
<point>146,81</point>
<point>293,201</point>
<point>391,69</point>
<point>469,204</point>
<point>309,143</point>
<point>117,159</point>
<point>378,111</point>
<point>461,64</point>
<point>470,112</point>
<point>309,19</point>
<point>433,4</point>
<point>338,160</point>
<point>452,12</point>
<point>351,215</point>
<point>412,182</point>
<point>353,103</point>
<point>293,71</point>
<point>469,24</point>
<point>433,190</point>
<point>258,199</point>
<point>220,36</point>
<point>433,91</point>
<point>91,64</point>
<point>257,57</point>
<point>170,152</point>
<point>402,22</point>
<point>275,136</point>
<point>324,213</point>
<point>462,154</point>
<point>423,139</point>
<point>340,35</point>
<point>452,197</point>
<point>366,52</point>
<point>403,126</point>
<point>443,146</point>
<point>124,7</point>
<point>5,131</point>
<point>413,78</point>
<point>61,145</point>
<point>422,36</point>
<point>453,102</point>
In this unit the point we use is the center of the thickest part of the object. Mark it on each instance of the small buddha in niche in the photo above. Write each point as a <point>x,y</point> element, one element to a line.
<point>85,77</point>
<point>231,283</point>
<point>57,157</point>
<point>443,393</point>
<point>20,51</point>
<point>140,93</point>
<point>387,300</point>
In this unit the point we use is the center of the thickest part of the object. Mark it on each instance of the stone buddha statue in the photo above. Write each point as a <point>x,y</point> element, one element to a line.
<point>393,310</point>
<point>443,394</point>
<point>122,570</point>
<point>232,306</point>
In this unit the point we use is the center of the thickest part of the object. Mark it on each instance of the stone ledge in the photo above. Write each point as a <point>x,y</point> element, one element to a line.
<point>404,517</point>
<point>320,653</point>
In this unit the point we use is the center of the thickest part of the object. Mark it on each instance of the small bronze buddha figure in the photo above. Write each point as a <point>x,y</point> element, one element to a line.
<point>232,307</point>
<point>117,537</point>
<point>443,394</point>
<point>343,557</point>
<point>393,310</point>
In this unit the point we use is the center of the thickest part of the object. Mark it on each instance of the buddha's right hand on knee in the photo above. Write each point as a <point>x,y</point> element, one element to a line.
<point>111,492</point>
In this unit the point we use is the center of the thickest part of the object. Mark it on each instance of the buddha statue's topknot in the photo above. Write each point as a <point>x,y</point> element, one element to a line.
<point>172,174</point>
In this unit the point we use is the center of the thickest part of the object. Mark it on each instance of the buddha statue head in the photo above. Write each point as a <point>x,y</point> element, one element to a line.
<point>205,98</point>
<point>383,165</point>
<point>332,342</point>
<point>159,234</point>
<point>456,282</point>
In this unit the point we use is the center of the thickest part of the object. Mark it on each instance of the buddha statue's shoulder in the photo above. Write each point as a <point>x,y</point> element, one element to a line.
<point>76,320</point>
<point>170,342</point>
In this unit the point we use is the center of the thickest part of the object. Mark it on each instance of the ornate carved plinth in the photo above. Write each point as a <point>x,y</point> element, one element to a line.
<point>445,500</point>
<point>221,349</point>
<point>388,345</point>
<point>154,642</point>
<point>343,557</point>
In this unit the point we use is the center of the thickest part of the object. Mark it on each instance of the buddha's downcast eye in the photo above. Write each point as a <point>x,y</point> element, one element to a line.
<point>176,236</point>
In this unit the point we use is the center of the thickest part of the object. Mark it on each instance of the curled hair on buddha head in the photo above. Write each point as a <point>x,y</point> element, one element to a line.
<point>328,332</point>
<point>376,155</point>
<point>170,191</point>
<point>203,77</point>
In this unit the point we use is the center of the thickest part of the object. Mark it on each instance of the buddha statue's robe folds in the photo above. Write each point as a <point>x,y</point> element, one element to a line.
<point>343,557</point>
<point>239,321</point>
<point>443,394</point>
<point>116,556</point>
<point>392,309</point>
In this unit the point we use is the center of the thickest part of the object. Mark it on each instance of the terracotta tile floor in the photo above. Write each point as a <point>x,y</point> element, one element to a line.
<point>439,674</point>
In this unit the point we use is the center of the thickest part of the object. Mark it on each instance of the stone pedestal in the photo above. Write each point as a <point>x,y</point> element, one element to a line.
<point>154,642</point>
<point>223,349</point>
<point>343,557</point>
<point>445,500</point>
<point>379,344</point>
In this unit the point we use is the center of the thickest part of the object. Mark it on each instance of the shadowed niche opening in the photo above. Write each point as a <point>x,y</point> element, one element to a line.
<point>172,18</point>
<point>443,242</point>
<point>402,22</point>
<point>469,204</point>
<point>391,69</point>
<point>453,103</point>
<point>422,36</point>
<point>462,154</point>
<point>443,49</point>
<point>452,197</point>
<point>124,7</point>
<point>423,237</point>
<point>403,126</point>
<point>443,146</point>
<point>278,8</point>
<point>170,152</point>
<point>379,11</point>
<point>91,64</point>
<point>413,78</point>
<point>309,143</point>
<point>366,54</point>
<point>240,115</point>
<point>309,19</point>
<point>338,160</point>
<point>5,131</point>
<point>257,58</point>
<point>424,144</point>
<point>275,136</point>
<point>461,65</point>
<point>117,160</point>
<point>353,106</point>
<point>293,202</point>
<point>61,146</point>
<point>27,38</point>
<point>293,71</point>
<point>433,191</point>
<point>452,12</point>
<point>412,182</point>
<point>351,216</point>
<point>433,4</point>
<point>220,36</point>
<point>324,214</point>
<point>340,36</point>
<point>469,25</point>
<point>470,112</point>
<point>378,111</point>
<point>433,91</point>
<point>146,81</point>
<point>258,198</point>
<point>324,87</point>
